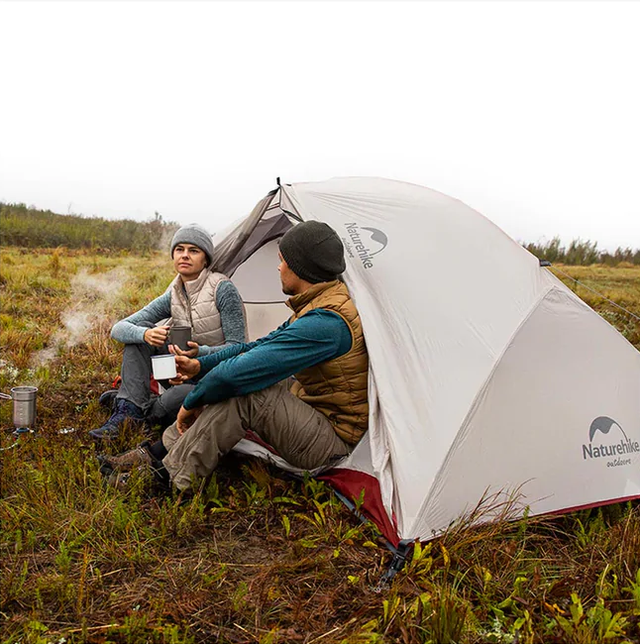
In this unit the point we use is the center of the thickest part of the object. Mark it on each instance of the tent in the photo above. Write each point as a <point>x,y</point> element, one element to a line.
<point>487,375</point>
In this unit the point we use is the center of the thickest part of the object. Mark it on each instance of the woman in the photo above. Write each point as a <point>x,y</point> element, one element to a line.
<point>206,301</point>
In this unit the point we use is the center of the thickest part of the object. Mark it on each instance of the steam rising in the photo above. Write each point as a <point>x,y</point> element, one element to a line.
<point>90,297</point>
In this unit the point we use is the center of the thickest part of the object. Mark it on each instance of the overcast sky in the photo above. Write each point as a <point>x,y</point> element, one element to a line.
<point>528,112</point>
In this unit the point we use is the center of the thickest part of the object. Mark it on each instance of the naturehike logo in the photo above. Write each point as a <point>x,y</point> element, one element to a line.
<point>619,451</point>
<point>365,241</point>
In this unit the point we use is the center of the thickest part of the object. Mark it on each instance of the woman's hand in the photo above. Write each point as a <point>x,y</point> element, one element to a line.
<point>190,353</point>
<point>156,336</point>
<point>186,418</point>
<point>187,368</point>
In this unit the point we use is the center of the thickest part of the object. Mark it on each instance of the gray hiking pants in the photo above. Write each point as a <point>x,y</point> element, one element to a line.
<point>136,384</point>
<point>301,435</point>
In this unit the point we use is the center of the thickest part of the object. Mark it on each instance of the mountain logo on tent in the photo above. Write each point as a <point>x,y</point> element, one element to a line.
<point>378,237</point>
<point>624,446</point>
<point>365,241</point>
<point>603,424</point>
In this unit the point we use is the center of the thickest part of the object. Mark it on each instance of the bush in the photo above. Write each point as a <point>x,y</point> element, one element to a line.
<point>33,228</point>
<point>581,253</point>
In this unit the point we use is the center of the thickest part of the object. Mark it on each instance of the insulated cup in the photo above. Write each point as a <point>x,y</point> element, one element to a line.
<point>180,335</point>
<point>164,366</point>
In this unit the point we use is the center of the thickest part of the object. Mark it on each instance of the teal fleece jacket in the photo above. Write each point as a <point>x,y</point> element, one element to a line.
<point>317,336</point>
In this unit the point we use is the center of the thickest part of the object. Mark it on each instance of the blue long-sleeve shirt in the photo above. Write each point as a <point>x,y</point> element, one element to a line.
<point>228,303</point>
<point>317,336</point>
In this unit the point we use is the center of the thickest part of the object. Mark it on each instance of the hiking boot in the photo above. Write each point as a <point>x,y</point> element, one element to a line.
<point>108,398</point>
<point>155,480</point>
<point>152,484</point>
<point>127,461</point>
<point>123,410</point>
<point>119,480</point>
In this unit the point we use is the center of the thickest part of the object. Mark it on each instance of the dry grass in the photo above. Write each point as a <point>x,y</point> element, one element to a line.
<point>255,557</point>
<point>621,284</point>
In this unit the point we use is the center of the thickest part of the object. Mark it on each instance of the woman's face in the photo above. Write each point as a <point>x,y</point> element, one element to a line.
<point>188,260</point>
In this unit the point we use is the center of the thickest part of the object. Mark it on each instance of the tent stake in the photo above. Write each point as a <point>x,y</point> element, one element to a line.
<point>397,564</point>
<point>400,552</point>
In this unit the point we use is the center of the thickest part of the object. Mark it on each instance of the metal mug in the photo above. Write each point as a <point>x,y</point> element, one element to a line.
<point>180,335</point>
<point>24,406</point>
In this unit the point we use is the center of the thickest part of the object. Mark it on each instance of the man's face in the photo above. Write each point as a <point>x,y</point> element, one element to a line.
<point>288,278</point>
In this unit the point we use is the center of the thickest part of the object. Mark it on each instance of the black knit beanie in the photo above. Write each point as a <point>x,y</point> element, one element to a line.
<point>313,251</point>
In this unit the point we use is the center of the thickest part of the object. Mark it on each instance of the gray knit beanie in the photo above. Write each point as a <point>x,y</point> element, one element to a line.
<point>196,235</point>
<point>313,251</point>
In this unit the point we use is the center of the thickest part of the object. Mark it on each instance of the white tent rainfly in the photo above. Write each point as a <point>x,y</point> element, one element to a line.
<point>487,375</point>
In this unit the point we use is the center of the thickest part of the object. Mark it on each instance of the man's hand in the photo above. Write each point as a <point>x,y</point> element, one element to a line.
<point>190,353</point>
<point>187,368</point>
<point>186,418</point>
<point>156,336</point>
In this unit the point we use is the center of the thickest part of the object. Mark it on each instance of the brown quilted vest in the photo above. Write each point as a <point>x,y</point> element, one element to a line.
<point>337,388</point>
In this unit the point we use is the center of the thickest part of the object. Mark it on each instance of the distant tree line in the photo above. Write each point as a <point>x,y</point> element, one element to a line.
<point>582,253</point>
<point>34,228</point>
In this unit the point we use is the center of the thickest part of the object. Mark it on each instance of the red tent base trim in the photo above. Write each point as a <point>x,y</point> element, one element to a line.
<point>351,484</point>
<point>597,504</point>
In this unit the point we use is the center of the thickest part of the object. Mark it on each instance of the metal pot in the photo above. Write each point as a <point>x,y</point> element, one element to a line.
<point>24,407</point>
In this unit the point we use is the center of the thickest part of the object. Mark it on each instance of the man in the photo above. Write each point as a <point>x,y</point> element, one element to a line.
<point>310,421</point>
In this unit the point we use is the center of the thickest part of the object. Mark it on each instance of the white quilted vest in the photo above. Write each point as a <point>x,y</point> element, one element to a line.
<point>194,304</point>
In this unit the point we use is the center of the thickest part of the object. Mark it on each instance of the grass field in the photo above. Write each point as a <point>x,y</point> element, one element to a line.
<point>256,557</point>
